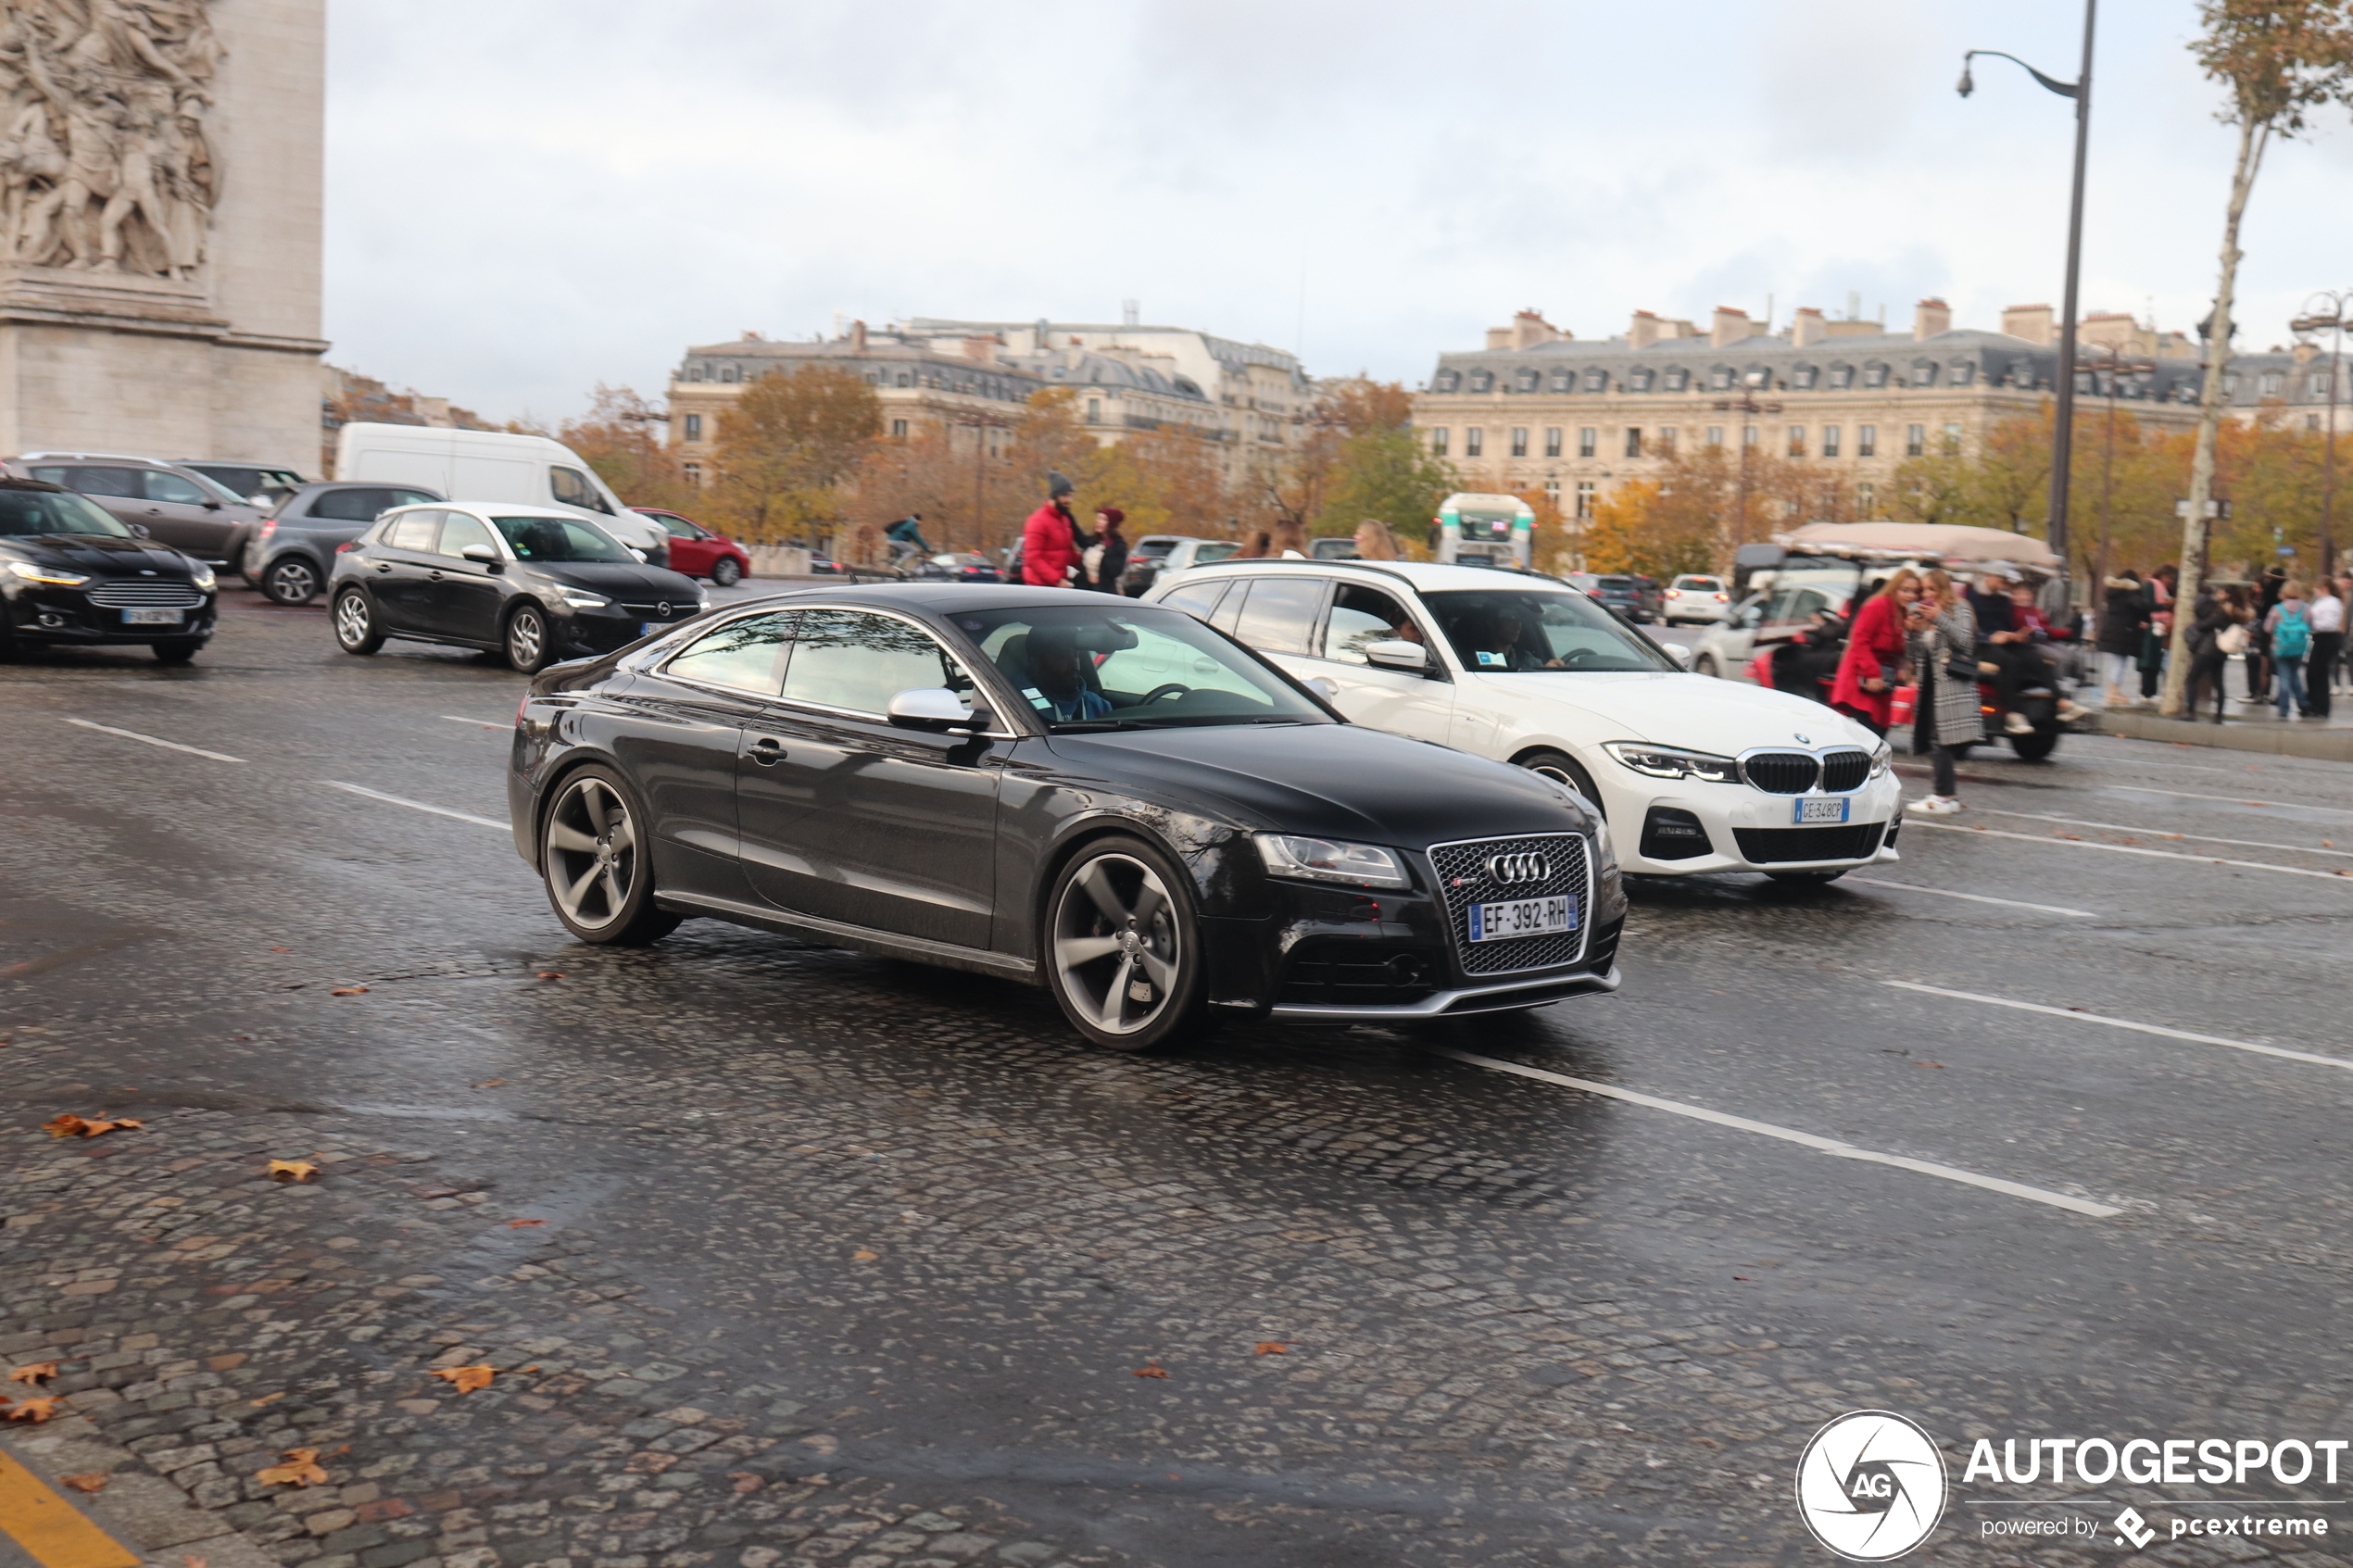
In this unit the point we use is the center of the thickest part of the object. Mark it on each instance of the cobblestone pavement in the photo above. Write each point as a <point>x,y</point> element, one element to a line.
<point>783,1254</point>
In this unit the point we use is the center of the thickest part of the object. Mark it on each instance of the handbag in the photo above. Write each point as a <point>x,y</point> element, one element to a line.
<point>2232,639</point>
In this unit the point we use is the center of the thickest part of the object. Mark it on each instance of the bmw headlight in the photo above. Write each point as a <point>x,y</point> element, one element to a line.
<point>1666,762</point>
<point>1882,760</point>
<point>1322,860</point>
<point>33,573</point>
<point>581,598</point>
<point>203,580</point>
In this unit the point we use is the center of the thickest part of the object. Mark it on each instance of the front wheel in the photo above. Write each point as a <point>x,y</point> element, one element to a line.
<point>1705,665</point>
<point>1562,768</point>
<point>725,573</point>
<point>354,623</point>
<point>1122,947</point>
<point>592,857</point>
<point>526,639</point>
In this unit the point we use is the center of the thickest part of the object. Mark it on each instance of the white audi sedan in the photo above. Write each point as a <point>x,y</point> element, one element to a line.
<point>1694,775</point>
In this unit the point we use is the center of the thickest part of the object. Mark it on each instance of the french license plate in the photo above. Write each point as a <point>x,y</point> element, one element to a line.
<point>648,628</point>
<point>1833,809</point>
<point>1522,917</point>
<point>151,617</point>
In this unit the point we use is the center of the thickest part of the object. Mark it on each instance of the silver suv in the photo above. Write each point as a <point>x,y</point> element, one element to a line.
<point>172,504</point>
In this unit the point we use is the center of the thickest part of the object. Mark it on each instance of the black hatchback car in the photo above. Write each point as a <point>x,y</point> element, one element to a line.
<point>532,583</point>
<point>72,573</point>
<point>1107,798</point>
<point>291,555</point>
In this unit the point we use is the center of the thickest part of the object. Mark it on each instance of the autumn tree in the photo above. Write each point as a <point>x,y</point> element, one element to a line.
<point>1646,526</point>
<point>617,437</point>
<point>786,447</point>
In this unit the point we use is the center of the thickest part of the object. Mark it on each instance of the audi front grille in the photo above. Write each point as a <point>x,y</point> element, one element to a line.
<point>1464,880</point>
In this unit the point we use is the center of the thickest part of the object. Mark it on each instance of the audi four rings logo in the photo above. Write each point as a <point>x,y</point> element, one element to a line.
<point>1871,1485</point>
<point>1519,868</point>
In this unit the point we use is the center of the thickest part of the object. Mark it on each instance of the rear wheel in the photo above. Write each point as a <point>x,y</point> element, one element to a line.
<point>355,622</point>
<point>289,580</point>
<point>526,639</point>
<point>177,650</point>
<point>1121,947</point>
<point>592,857</point>
<point>725,572</point>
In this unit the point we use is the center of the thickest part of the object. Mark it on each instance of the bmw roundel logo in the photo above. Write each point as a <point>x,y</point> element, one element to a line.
<point>1519,868</point>
<point>1871,1485</point>
<point>1805,740</point>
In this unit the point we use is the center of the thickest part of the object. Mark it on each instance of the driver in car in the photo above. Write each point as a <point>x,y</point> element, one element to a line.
<point>1497,646</point>
<point>1057,688</point>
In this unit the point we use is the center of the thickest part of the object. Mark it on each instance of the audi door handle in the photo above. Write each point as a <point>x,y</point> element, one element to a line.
<point>766,750</point>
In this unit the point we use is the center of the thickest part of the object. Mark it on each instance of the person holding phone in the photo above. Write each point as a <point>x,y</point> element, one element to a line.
<point>1940,636</point>
<point>1864,687</point>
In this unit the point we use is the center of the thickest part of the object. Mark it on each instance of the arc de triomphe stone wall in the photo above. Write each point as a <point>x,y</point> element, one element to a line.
<point>160,227</point>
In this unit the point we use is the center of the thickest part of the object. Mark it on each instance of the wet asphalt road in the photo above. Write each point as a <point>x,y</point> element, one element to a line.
<point>934,1237</point>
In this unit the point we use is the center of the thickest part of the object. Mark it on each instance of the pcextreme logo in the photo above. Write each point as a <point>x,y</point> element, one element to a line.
<point>1871,1485</point>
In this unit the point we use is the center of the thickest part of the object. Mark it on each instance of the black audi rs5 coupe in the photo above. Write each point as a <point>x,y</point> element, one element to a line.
<point>72,574</point>
<point>1107,798</point>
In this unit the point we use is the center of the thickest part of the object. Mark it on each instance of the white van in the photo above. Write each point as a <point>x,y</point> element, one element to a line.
<point>492,466</point>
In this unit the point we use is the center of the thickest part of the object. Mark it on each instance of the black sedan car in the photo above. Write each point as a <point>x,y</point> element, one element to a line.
<point>1107,798</point>
<point>72,573</point>
<point>290,557</point>
<point>532,583</point>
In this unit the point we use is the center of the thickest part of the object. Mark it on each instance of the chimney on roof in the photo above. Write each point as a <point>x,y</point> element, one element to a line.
<point>982,349</point>
<point>858,337</point>
<point>2036,323</point>
<point>1731,326</point>
<point>1807,328</point>
<point>1643,331</point>
<point>1528,328</point>
<point>1499,338</point>
<point>1931,318</point>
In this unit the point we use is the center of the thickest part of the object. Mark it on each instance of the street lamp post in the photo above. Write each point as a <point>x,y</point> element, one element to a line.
<point>2313,320</point>
<point>2063,436</point>
<point>1746,405</point>
<point>2118,368</point>
<point>980,424</point>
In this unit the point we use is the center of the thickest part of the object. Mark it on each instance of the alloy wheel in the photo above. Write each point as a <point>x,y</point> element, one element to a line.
<point>591,856</point>
<point>1116,944</point>
<point>293,582</point>
<point>354,625</point>
<point>526,640</point>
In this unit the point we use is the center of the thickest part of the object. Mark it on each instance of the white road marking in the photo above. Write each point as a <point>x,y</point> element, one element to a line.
<point>477,723</point>
<point>1787,1135</point>
<point>1972,898</point>
<point>2233,799</point>
<point>2168,833</point>
<point>2128,849</point>
<point>416,805</point>
<point>2128,1023</point>
<point>151,740</point>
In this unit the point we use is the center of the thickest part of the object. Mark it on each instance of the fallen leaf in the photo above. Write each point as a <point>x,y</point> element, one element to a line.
<point>1149,1372</point>
<point>271,1399</point>
<point>1273,1347</point>
<point>96,1481</point>
<point>490,1082</point>
<point>34,1410</point>
<point>38,1372</point>
<point>197,1562</point>
<point>282,950</point>
<point>744,1481</point>
<point>348,991</point>
<point>864,1257</point>
<point>466,1379</point>
<point>550,975</point>
<point>518,1225</point>
<point>301,1469</point>
<point>292,1171</point>
<point>68,1125</point>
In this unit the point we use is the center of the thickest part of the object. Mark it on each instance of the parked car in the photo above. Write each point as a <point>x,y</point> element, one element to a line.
<point>536,583</point>
<point>260,483</point>
<point>291,555</point>
<point>1693,775</point>
<point>1334,547</point>
<point>495,466</point>
<point>1636,598</point>
<point>1725,648</point>
<point>175,504</point>
<point>1156,553</point>
<point>73,573</point>
<point>1114,802</point>
<point>958,567</point>
<point>1692,600</point>
<point>696,551</point>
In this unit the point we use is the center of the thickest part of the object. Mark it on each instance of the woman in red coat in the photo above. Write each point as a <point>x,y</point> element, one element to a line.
<point>1865,687</point>
<point>1050,539</point>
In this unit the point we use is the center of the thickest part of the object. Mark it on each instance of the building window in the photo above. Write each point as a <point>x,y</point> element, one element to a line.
<point>1720,378</point>
<point>1597,380</point>
<point>1923,373</point>
<point>1552,440</point>
<point>1634,442</point>
<point>1961,373</point>
<point>727,373</point>
<point>1563,381</point>
<point>1952,440</point>
<point>1482,381</point>
<point>1874,375</point>
<point>1520,440</point>
<point>1094,410</point>
<point>1552,491</point>
<point>2311,422</point>
<point>1678,379</point>
<point>1867,441</point>
<point>1584,497</point>
<point>1867,498</point>
<point>693,474</point>
<point>1842,377</point>
<point>1716,436</point>
<point>1797,441</point>
<point>2318,386</point>
<point>1830,440</point>
<point>1665,439</point>
<point>1529,380</point>
<point>694,427</point>
<point>1437,442</point>
<point>1449,380</point>
<point>1804,377</point>
<point>2272,383</point>
<point>1748,435</point>
<point>1638,382</point>
<point>1914,440</point>
<point>1474,442</point>
<point>899,430</point>
<point>1586,437</point>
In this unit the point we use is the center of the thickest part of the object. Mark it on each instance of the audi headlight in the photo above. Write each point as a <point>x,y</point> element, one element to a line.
<point>204,580</point>
<point>33,573</point>
<point>1322,860</point>
<point>1882,760</point>
<point>581,598</point>
<point>1666,762</point>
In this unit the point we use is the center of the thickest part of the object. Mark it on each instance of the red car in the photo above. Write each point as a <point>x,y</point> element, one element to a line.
<point>696,551</point>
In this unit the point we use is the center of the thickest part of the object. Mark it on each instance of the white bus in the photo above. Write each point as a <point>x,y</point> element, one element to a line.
<point>1474,529</point>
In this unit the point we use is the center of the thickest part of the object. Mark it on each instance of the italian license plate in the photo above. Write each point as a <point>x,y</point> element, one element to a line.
<point>151,617</point>
<point>1522,917</point>
<point>1832,809</point>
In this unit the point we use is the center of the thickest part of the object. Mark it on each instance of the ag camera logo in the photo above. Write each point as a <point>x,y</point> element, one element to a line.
<point>1871,1485</point>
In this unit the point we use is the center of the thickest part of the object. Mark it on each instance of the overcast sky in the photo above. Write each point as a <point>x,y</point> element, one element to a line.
<point>528,197</point>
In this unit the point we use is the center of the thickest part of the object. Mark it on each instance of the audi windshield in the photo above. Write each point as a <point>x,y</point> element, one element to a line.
<point>1137,667</point>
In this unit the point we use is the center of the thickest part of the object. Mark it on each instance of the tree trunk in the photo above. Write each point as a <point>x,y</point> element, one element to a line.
<point>2197,527</point>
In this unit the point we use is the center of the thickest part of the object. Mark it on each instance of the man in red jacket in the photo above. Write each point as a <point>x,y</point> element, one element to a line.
<point>1050,539</point>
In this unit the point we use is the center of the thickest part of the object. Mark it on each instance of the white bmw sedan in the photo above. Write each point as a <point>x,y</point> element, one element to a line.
<point>1693,774</point>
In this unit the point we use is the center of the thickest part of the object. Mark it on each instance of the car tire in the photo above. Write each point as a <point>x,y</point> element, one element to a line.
<point>524,639</point>
<point>355,622</point>
<point>594,862</point>
<point>289,580</point>
<point>1119,919</point>
<point>176,650</point>
<point>1567,769</point>
<point>2035,747</point>
<point>1705,665</point>
<point>1803,878</point>
<point>725,572</point>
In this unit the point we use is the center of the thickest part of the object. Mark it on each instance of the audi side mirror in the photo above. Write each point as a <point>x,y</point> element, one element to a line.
<point>1396,653</point>
<point>929,708</point>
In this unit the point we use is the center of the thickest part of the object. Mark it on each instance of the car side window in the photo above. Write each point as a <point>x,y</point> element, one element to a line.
<point>360,503</point>
<point>94,481</point>
<point>170,487</point>
<point>1198,599</point>
<point>858,660</point>
<point>746,655</point>
<point>414,530</point>
<point>1280,614</point>
<point>1360,615</point>
<point>680,527</point>
<point>571,487</point>
<point>459,531</point>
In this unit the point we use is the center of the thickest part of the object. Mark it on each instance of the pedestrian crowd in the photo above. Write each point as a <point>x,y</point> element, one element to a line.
<point>2288,635</point>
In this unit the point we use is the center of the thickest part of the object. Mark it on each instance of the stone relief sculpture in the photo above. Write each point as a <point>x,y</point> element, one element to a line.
<point>104,163</point>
